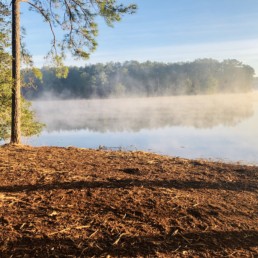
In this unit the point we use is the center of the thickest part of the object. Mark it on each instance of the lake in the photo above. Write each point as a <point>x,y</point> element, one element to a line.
<point>217,127</point>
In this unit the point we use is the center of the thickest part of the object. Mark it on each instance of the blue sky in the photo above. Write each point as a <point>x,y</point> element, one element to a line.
<point>168,31</point>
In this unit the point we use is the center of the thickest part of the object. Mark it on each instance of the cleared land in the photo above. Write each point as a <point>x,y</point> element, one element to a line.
<point>69,202</point>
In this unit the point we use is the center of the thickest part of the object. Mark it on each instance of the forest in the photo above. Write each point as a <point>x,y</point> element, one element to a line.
<point>132,78</point>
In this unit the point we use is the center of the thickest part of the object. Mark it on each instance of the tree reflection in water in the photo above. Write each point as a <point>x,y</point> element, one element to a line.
<point>135,114</point>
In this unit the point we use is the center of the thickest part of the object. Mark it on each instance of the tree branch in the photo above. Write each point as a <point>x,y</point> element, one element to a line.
<point>49,22</point>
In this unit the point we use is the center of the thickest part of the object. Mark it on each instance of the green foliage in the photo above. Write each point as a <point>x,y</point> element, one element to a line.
<point>37,73</point>
<point>4,27</point>
<point>61,71</point>
<point>5,108</point>
<point>77,19</point>
<point>28,124</point>
<point>203,76</point>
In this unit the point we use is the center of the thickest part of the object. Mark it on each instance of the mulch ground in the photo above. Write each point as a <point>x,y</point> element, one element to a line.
<point>69,202</point>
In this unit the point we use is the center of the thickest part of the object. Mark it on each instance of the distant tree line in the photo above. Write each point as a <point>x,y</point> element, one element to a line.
<point>131,78</point>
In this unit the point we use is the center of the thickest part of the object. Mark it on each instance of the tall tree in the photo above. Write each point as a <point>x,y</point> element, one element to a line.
<point>28,125</point>
<point>16,89</point>
<point>77,19</point>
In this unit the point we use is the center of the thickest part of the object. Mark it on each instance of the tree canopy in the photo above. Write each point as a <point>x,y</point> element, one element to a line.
<point>77,20</point>
<point>202,76</point>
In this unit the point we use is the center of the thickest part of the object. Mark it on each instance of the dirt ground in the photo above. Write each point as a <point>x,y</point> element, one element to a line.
<point>70,202</point>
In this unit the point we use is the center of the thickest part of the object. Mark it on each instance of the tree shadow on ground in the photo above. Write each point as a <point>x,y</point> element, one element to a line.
<point>128,183</point>
<point>132,246</point>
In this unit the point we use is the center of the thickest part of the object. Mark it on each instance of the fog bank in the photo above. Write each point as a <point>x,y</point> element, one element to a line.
<point>135,114</point>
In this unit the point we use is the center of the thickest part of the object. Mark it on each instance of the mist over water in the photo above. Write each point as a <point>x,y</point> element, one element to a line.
<point>221,127</point>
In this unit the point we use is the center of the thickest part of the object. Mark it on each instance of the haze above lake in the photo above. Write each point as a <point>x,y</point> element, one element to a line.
<point>217,127</point>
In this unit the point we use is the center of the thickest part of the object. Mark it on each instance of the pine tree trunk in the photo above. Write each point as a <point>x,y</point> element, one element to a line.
<point>16,90</point>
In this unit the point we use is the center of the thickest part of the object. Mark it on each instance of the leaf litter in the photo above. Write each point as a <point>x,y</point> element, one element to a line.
<point>70,202</point>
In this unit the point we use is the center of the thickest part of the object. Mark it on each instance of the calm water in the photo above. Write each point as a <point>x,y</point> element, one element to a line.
<point>223,127</point>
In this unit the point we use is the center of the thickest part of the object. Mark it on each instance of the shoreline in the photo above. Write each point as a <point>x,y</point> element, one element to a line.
<point>121,149</point>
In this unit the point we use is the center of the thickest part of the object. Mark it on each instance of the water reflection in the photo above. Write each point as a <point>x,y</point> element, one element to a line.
<point>216,127</point>
<point>133,115</point>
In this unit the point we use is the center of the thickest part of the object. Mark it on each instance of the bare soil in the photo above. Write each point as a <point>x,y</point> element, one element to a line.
<point>70,202</point>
